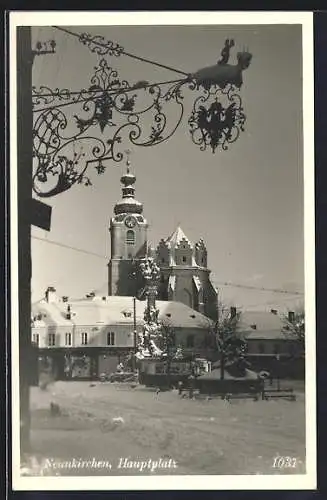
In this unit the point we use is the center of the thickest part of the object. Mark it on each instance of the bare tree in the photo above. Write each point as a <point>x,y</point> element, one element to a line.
<point>230,343</point>
<point>294,326</point>
<point>170,351</point>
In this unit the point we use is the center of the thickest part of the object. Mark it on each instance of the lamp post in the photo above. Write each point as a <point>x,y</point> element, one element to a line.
<point>221,337</point>
<point>277,371</point>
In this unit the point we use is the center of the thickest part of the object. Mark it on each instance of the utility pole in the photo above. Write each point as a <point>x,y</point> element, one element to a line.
<point>221,336</point>
<point>30,212</point>
<point>134,333</point>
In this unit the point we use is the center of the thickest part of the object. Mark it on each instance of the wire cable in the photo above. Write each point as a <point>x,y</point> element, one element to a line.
<point>63,245</point>
<point>251,287</point>
<point>128,54</point>
<point>237,285</point>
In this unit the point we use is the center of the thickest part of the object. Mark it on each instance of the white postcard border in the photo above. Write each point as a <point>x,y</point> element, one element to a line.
<point>201,482</point>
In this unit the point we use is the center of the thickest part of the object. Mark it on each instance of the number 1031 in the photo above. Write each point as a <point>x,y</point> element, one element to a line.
<point>284,462</point>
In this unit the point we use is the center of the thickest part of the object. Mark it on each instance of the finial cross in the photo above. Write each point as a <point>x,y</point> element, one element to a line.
<point>128,161</point>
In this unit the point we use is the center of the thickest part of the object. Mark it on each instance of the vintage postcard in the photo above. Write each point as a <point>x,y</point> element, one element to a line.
<point>162,250</point>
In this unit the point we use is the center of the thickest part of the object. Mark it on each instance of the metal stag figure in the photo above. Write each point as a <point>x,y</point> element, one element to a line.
<point>223,73</point>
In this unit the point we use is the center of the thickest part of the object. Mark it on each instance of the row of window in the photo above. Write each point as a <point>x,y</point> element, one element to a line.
<point>263,348</point>
<point>68,339</point>
<point>184,260</point>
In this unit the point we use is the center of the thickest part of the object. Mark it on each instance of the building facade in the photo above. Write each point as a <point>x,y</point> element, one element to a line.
<point>88,337</point>
<point>269,345</point>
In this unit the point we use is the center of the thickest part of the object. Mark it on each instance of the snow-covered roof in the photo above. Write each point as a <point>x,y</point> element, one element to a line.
<point>115,310</point>
<point>197,283</point>
<point>176,237</point>
<point>262,325</point>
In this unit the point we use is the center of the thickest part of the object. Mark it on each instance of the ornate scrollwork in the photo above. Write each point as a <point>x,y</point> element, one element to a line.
<point>217,118</point>
<point>62,156</point>
<point>99,45</point>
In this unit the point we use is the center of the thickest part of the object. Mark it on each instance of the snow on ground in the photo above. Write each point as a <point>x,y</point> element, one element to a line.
<point>108,422</point>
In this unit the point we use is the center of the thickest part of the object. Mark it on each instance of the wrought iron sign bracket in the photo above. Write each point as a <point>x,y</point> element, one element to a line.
<point>112,111</point>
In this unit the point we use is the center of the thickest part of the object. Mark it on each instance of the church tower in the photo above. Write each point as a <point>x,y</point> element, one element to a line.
<point>185,276</point>
<point>128,230</point>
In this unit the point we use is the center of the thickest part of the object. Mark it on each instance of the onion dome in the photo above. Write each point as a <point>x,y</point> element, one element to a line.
<point>128,204</point>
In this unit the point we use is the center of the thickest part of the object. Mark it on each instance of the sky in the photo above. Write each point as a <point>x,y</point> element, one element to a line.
<point>246,203</point>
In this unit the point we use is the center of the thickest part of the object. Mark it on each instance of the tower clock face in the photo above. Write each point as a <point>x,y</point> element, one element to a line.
<point>130,221</point>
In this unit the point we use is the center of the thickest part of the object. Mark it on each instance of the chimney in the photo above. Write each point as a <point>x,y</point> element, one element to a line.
<point>233,312</point>
<point>50,295</point>
<point>274,311</point>
<point>68,313</point>
<point>291,316</point>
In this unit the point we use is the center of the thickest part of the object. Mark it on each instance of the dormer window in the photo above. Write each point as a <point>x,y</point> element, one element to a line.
<point>184,258</point>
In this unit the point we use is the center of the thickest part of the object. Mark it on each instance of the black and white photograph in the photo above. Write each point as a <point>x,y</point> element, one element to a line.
<point>162,250</point>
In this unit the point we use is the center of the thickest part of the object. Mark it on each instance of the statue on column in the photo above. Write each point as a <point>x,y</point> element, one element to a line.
<point>152,328</point>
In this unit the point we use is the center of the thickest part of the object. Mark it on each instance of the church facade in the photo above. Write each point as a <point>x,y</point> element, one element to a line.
<point>185,276</point>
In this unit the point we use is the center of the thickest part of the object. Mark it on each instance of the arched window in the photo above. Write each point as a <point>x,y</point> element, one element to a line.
<point>130,237</point>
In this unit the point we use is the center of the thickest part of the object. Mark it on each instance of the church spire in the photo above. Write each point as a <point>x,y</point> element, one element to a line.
<point>128,204</point>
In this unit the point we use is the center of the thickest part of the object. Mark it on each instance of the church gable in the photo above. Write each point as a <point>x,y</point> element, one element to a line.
<point>200,254</point>
<point>183,253</point>
<point>163,253</point>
